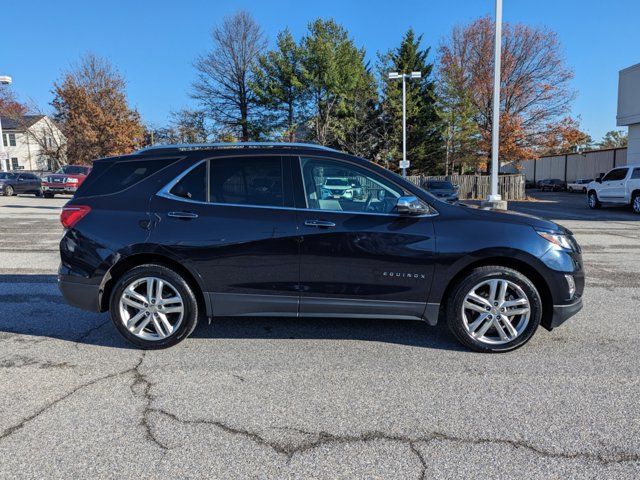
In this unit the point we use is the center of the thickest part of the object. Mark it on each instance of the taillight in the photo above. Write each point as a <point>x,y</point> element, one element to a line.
<point>73,214</point>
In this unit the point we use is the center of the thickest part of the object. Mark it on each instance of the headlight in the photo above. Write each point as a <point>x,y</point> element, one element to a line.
<point>72,180</point>
<point>557,239</point>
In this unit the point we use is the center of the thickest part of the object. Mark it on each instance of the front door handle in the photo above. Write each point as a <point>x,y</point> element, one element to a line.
<point>184,215</point>
<point>319,223</point>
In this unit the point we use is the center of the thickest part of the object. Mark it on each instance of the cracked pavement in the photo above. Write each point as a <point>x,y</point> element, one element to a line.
<point>317,398</point>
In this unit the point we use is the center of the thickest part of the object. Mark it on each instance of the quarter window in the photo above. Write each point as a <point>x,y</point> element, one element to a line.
<point>247,181</point>
<point>636,173</point>
<point>341,186</point>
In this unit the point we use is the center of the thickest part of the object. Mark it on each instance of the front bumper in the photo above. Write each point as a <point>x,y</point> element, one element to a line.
<point>60,188</point>
<point>562,313</point>
<point>79,294</point>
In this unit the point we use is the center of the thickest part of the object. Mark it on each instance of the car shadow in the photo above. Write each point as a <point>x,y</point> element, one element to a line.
<point>32,310</point>
<point>41,207</point>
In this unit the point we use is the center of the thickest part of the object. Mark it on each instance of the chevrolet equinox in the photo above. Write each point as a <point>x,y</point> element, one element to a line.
<point>171,234</point>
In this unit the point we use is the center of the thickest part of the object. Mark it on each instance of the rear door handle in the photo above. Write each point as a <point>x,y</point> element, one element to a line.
<point>319,223</point>
<point>185,215</point>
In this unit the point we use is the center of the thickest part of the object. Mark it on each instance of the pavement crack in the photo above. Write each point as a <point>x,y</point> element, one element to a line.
<point>7,432</point>
<point>141,387</point>
<point>84,335</point>
<point>321,438</point>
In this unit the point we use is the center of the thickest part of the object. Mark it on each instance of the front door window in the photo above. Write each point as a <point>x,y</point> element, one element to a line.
<point>344,187</point>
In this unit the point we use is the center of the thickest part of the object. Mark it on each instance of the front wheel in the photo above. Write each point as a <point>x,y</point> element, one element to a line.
<point>570,189</point>
<point>153,307</point>
<point>494,309</point>
<point>635,203</point>
<point>8,191</point>
<point>592,201</point>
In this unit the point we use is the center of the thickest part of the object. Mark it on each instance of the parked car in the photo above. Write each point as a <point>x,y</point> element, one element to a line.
<point>13,183</point>
<point>341,188</point>
<point>170,234</point>
<point>530,184</point>
<point>620,186</point>
<point>442,189</point>
<point>553,185</point>
<point>66,180</point>
<point>579,185</point>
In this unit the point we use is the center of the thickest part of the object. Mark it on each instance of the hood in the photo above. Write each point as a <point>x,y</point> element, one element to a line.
<point>509,216</point>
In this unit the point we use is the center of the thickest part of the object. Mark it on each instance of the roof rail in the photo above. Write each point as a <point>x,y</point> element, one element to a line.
<point>185,147</point>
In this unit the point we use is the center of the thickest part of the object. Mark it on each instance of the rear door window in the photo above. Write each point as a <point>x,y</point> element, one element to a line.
<point>247,181</point>
<point>193,186</point>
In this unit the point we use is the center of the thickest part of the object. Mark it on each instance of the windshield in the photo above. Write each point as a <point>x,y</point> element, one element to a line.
<point>7,176</point>
<point>74,170</point>
<point>337,182</point>
<point>439,186</point>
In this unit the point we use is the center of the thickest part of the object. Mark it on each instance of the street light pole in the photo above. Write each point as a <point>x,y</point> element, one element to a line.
<point>4,80</point>
<point>495,134</point>
<point>404,164</point>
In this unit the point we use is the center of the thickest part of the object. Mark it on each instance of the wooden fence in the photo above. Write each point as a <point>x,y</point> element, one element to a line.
<point>478,186</point>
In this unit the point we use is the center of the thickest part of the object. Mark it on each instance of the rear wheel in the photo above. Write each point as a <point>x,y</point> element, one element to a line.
<point>153,307</point>
<point>38,193</point>
<point>592,201</point>
<point>570,189</point>
<point>494,309</point>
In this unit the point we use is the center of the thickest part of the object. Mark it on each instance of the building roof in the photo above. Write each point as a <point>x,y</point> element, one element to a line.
<point>10,123</point>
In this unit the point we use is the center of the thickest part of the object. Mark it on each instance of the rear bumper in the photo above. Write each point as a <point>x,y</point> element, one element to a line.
<point>562,313</point>
<point>78,294</point>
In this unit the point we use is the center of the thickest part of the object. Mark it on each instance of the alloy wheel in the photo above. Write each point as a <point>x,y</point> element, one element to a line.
<point>8,191</point>
<point>592,200</point>
<point>495,311</point>
<point>636,204</point>
<point>151,308</point>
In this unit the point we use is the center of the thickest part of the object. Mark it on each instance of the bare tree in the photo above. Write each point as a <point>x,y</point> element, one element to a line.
<point>224,73</point>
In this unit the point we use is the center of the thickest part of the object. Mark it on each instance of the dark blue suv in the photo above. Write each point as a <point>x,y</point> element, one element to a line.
<point>168,235</point>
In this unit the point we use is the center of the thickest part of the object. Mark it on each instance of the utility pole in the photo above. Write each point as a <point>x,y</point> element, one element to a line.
<point>404,164</point>
<point>4,80</point>
<point>495,199</point>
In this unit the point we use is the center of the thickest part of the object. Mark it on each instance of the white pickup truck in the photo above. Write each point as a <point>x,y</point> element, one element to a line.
<point>620,186</point>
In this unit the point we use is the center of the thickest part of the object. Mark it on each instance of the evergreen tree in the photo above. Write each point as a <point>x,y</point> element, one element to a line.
<point>280,88</point>
<point>425,143</point>
<point>335,71</point>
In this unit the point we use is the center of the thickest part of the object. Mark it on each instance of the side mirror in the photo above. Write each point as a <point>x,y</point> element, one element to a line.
<point>411,206</point>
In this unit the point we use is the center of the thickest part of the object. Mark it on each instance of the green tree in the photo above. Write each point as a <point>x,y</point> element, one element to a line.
<point>425,144</point>
<point>335,69</point>
<point>614,139</point>
<point>458,115</point>
<point>279,86</point>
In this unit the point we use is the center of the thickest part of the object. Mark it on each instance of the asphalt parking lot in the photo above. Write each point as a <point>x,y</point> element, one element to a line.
<point>315,398</point>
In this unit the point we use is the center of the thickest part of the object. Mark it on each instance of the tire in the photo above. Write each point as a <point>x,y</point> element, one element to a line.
<point>154,332</point>
<point>584,190</point>
<point>38,193</point>
<point>635,203</point>
<point>462,320</point>
<point>570,189</point>
<point>592,201</point>
<point>48,195</point>
<point>8,191</point>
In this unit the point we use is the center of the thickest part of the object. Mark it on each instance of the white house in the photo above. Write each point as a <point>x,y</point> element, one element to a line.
<point>25,140</point>
<point>629,109</point>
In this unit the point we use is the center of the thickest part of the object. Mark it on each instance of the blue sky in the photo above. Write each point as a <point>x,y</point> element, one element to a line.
<point>154,43</point>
